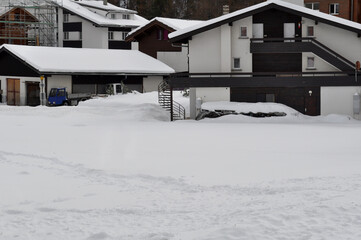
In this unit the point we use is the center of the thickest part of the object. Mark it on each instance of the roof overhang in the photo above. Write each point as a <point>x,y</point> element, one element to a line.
<point>146,27</point>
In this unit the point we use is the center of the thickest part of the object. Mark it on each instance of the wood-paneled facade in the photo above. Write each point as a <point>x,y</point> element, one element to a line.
<point>154,38</point>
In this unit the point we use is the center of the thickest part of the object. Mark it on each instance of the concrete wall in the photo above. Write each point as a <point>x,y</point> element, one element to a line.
<point>23,81</point>
<point>176,60</point>
<point>151,83</point>
<point>338,100</point>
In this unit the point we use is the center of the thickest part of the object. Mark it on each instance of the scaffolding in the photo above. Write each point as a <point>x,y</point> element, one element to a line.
<point>28,22</point>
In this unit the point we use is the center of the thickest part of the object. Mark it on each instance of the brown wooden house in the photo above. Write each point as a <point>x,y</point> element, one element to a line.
<point>15,25</point>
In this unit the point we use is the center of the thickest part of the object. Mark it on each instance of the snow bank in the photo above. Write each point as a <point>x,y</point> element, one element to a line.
<point>113,168</point>
<point>292,116</point>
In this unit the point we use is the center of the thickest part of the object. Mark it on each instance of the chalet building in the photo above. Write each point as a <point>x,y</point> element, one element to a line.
<point>15,25</point>
<point>348,9</point>
<point>95,24</point>
<point>274,51</point>
<point>78,70</point>
<point>152,39</point>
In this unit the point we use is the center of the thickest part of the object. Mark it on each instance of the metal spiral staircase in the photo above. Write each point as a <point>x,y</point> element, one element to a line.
<point>165,99</point>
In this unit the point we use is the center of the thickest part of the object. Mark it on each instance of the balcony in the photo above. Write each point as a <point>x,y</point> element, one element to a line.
<point>300,45</point>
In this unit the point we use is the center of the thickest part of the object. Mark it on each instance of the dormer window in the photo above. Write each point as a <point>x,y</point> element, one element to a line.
<point>113,16</point>
<point>126,16</point>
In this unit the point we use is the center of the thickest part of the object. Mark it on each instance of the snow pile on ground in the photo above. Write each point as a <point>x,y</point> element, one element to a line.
<point>292,116</point>
<point>89,172</point>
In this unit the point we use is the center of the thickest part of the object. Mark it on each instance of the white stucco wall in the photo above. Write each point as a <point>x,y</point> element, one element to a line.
<point>342,41</point>
<point>23,81</point>
<point>151,83</point>
<point>60,81</point>
<point>338,100</point>
<point>241,46</point>
<point>320,64</point>
<point>94,37</point>
<point>176,60</point>
<point>205,52</point>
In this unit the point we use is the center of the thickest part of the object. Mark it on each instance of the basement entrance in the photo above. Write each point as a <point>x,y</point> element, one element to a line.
<point>305,100</point>
<point>13,92</point>
<point>32,94</point>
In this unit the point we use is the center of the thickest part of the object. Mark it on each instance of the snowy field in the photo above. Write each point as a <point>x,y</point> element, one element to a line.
<point>116,168</point>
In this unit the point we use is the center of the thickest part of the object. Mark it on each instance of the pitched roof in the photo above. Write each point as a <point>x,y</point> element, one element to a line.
<point>109,7</point>
<point>277,4</point>
<point>53,60</point>
<point>171,23</point>
<point>82,11</point>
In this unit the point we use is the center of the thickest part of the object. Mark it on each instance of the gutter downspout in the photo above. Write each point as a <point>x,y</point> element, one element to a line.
<point>352,7</point>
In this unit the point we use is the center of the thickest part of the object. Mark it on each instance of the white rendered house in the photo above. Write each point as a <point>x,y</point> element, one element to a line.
<point>274,51</point>
<point>95,24</point>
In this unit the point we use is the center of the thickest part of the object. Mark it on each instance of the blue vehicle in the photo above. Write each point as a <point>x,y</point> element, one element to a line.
<point>60,97</point>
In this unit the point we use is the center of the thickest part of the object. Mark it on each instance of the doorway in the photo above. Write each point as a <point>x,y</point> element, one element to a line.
<point>258,31</point>
<point>13,92</point>
<point>32,94</point>
<point>289,31</point>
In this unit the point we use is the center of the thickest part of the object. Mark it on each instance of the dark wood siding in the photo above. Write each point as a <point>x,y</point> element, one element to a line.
<point>73,44</point>
<point>277,62</point>
<point>300,99</point>
<point>149,43</point>
<point>119,45</point>
<point>72,27</point>
<point>273,21</point>
<point>10,66</point>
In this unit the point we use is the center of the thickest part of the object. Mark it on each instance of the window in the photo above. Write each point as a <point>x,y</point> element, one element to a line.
<point>110,35</point>
<point>334,8</point>
<point>243,32</point>
<point>66,17</point>
<point>165,34</point>
<point>126,16</point>
<point>314,6</point>
<point>61,93</point>
<point>124,35</point>
<point>80,35</point>
<point>236,63</point>
<point>310,63</point>
<point>310,31</point>
<point>66,35</point>
<point>112,16</point>
<point>160,34</point>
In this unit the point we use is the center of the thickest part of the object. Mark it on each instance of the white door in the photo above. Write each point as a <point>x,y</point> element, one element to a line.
<point>258,31</point>
<point>289,31</point>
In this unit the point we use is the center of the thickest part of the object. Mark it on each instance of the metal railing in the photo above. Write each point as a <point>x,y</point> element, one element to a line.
<point>165,100</point>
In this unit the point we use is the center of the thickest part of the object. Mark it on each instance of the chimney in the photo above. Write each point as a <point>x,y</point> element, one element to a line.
<point>105,2</point>
<point>225,9</point>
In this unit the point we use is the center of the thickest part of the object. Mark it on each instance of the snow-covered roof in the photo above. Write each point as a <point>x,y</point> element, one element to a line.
<point>84,12</point>
<point>296,9</point>
<point>173,23</point>
<point>100,5</point>
<point>55,60</point>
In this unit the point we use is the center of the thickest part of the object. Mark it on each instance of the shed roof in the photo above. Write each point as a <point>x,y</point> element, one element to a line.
<point>249,11</point>
<point>84,61</point>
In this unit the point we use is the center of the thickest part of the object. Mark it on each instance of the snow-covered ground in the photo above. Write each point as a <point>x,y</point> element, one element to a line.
<point>116,168</point>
